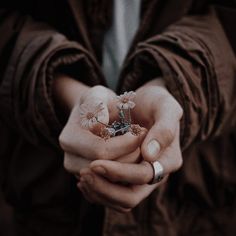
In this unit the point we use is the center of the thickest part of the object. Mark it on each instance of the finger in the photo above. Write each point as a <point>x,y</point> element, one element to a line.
<point>73,164</point>
<point>162,133</point>
<point>171,160</point>
<point>83,143</point>
<point>141,173</point>
<point>116,194</point>
<point>137,174</point>
<point>134,157</point>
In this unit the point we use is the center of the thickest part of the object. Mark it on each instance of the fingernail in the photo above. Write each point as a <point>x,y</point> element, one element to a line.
<point>99,170</point>
<point>153,148</point>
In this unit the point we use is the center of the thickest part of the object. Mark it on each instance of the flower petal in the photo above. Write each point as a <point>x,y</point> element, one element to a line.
<point>125,106</point>
<point>131,104</point>
<point>131,95</point>
<point>119,105</point>
<point>85,123</point>
<point>84,108</point>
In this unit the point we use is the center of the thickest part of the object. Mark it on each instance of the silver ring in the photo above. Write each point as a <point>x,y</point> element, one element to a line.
<point>158,172</point>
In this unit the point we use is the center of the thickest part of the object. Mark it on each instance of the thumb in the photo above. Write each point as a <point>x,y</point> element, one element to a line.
<point>167,116</point>
<point>159,137</point>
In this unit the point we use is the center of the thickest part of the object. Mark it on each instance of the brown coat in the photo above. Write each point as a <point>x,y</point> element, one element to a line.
<point>192,44</point>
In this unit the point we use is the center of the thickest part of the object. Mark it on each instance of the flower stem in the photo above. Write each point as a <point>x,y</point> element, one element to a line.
<point>102,122</point>
<point>129,116</point>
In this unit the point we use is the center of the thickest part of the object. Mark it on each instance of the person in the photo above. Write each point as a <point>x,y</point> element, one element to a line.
<point>181,64</point>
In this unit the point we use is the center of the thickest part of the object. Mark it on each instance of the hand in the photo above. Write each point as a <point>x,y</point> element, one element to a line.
<point>160,113</point>
<point>81,146</point>
<point>104,182</point>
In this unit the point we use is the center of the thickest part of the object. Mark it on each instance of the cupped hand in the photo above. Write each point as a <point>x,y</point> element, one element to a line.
<point>160,113</point>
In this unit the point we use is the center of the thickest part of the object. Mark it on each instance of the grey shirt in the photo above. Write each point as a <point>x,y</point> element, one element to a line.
<point>119,37</point>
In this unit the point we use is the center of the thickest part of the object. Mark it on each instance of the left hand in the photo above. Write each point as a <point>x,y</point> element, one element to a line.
<point>81,146</point>
<point>160,113</point>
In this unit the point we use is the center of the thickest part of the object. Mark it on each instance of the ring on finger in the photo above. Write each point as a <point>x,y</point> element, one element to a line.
<point>158,172</point>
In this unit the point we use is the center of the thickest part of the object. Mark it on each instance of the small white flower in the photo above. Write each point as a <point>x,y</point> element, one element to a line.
<point>89,114</point>
<point>126,100</point>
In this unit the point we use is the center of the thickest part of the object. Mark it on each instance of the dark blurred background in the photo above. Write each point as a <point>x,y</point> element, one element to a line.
<point>6,218</point>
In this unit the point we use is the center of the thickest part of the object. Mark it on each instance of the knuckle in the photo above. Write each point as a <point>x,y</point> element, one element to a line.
<point>63,140</point>
<point>179,110</point>
<point>67,164</point>
<point>178,162</point>
<point>167,136</point>
<point>146,174</point>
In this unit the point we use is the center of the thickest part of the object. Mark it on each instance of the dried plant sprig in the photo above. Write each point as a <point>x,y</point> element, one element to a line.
<point>107,133</point>
<point>135,129</point>
<point>90,114</point>
<point>104,133</point>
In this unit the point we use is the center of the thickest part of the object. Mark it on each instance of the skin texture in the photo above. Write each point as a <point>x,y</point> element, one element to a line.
<point>111,172</point>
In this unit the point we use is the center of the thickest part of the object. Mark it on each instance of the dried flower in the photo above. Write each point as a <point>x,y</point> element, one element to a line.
<point>111,131</point>
<point>135,130</point>
<point>126,100</point>
<point>107,133</point>
<point>104,133</point>
<point>89,114</point>
<point>91,118</point>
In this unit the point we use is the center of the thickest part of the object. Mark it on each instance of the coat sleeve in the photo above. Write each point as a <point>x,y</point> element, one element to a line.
<point>30,52</point>
<point>197,61</point>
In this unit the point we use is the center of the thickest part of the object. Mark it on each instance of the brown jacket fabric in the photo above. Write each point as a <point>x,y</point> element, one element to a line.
<point>192,44</point>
